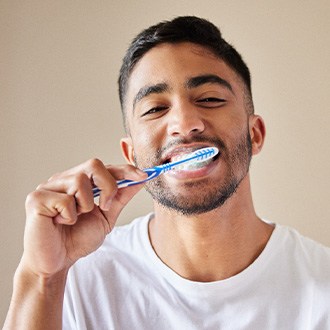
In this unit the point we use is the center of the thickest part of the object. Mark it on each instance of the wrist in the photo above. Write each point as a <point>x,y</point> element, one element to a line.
<point>27,280</point>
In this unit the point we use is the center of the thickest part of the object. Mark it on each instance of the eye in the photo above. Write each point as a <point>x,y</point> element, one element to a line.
<point>210,102</point>
<point>154,111</point>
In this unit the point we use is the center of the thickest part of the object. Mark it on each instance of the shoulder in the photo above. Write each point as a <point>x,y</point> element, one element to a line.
<point>307,255</point>
<point>306,246</point>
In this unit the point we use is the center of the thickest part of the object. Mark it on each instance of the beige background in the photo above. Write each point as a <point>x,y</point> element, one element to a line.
<point>59,62</point>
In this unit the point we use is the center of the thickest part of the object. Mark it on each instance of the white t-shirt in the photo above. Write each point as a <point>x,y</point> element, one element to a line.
<point>124,285</point>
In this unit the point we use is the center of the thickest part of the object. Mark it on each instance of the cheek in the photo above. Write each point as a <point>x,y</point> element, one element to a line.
<point>146,134</point>
<point>229,129</point>
<point>236,137</point>
<point>146,143</point>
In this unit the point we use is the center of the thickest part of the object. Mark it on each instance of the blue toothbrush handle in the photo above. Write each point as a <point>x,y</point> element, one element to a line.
<point>152,173</point>
<point>198,155</point>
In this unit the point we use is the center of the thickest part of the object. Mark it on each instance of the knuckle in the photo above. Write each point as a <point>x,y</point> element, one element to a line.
<point>94,163</point>
<point>54,177</point>
<point>32,199</point>
<point>80,179</point>
<point>68,201</point>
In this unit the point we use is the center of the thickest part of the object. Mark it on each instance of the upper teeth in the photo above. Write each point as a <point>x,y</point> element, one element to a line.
<point>178,157</point>
<point>192,165</point>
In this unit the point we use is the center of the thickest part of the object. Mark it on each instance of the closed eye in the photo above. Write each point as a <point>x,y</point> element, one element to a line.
<point>211,102</point>
<point>154,111</point>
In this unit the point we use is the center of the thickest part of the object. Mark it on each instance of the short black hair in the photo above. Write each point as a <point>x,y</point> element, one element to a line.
<point>182,29</point>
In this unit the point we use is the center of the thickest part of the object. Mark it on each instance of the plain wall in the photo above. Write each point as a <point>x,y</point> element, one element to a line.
<point>59,63</point>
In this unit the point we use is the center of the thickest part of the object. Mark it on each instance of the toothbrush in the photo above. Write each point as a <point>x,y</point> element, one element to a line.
<point>197,156</point>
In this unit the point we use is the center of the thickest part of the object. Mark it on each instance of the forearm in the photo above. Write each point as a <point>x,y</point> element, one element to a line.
<point>37,302</point>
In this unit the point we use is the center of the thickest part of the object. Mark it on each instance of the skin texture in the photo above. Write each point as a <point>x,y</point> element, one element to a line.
<point>170,111</point>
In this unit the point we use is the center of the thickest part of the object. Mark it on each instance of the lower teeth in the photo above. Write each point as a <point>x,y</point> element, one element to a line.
<point>194,166</point>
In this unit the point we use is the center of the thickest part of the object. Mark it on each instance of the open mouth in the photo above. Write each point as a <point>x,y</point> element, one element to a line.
<point>192,165</point>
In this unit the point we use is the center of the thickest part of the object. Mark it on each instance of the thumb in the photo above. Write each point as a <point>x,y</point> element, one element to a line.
<point>120,200</point>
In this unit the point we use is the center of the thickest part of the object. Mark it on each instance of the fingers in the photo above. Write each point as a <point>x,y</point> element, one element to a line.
<point>78,186</point>
<point>79,181</point>
<point>128,172</point>
<point>105,177</point>
<point>101,177</point>
<point>120,201</point>
<point>60,207</point>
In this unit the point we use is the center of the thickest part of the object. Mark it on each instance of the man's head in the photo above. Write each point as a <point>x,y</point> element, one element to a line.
<point>182,29</point>
<point>182,95</point>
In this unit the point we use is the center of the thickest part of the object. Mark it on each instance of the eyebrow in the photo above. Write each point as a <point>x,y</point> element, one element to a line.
<point>150,89</point>
<point>206,79</point>
<point>192,82</point>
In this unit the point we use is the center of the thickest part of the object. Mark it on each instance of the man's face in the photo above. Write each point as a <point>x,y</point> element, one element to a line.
<point>181,98</point>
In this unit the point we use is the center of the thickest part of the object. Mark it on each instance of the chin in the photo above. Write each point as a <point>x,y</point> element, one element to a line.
<point>194,198</point>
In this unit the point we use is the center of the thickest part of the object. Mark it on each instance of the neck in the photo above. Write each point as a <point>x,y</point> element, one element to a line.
<point>211,246</point>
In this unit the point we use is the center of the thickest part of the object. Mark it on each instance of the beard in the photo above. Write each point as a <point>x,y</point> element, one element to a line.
<point>205,195</point>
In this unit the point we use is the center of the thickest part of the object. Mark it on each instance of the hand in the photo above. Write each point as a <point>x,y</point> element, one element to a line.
<point>63,222</point>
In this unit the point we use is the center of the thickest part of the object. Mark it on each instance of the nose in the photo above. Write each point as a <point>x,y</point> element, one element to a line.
<point>185,120</point>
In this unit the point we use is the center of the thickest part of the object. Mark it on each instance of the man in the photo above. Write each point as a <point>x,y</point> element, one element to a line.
<point>203,259</point>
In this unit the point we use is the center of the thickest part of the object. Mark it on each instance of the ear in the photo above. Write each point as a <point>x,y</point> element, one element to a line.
<point>127,149</point>
<point>257,132</point>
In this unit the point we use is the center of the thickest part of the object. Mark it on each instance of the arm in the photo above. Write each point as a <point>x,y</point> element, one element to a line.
<point>37,302</point>
<point>63,224</point>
